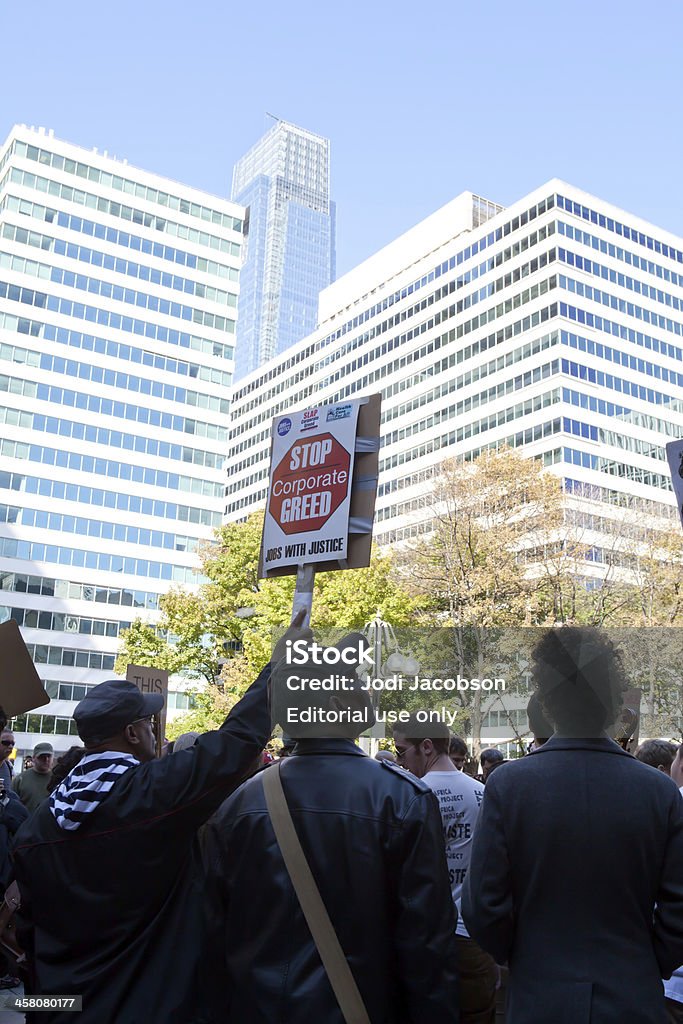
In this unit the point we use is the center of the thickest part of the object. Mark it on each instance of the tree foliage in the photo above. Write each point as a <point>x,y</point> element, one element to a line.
<point>222,634</point>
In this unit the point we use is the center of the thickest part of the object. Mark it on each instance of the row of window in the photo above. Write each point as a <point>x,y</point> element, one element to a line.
<point>463,256</point>
<point>400,483</point>
<point>606,495</point>
<point>106,407</point>
<point>38,329</point>
<point>163,363</point>
<point>128,381</point>
<point>127,185</point>
<point>522,437</point>
<point>639,419</point>
<point>95,229</point>
<point>46,243</point>
<point>505,387</point>
<point>616,277</point>
<point>21,583</point>
<point>603,465</point>
<point>621,358</point>
<point>43,654</point>
<point>480,372</point>
<point>113,209</point>
<point>617,253</point>
<point>612,302</point>
<point>116,439</point>
<point>60,622</point>
<point>613,439</point>
<point>620,229</point>
<point>64,523</point>
<point>107,318</point>
<point>108,467</point>
<point>96,497</point>
<point>515,718</point>
<point>601,323</point>
<point>608,380</point>
<point>97,561</point>
<point>107,290</point>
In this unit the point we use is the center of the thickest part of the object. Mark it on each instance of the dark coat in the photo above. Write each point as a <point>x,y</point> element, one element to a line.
<point>12,815</point>
<point>115,907</point>
<point>373,837</point>
<point>574,847</point>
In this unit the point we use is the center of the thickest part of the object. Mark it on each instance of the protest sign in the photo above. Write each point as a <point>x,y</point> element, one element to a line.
<point>674,454</point>
<point>323,482</point>
<point>20,687</point>
<point>152,680</point>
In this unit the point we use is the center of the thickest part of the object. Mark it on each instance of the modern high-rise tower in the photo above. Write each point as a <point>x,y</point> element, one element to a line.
<point>284,180</point>
<point>118,297</point>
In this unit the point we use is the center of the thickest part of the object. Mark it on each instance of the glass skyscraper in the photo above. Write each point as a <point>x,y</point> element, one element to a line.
<point>284,180</point>
<point>118,298</point>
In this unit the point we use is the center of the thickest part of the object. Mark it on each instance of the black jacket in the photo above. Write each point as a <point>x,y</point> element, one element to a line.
<point>112,911</point>
<point>12,815</point>
<point>373,837</point>
<point>574,846</point>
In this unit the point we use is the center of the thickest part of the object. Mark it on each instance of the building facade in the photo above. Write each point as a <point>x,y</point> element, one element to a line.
<point>118,297</point>
<point>284,180</point>
<point>554,326</point>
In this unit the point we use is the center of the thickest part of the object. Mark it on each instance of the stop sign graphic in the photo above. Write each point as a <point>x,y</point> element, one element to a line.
<point>309,484</point>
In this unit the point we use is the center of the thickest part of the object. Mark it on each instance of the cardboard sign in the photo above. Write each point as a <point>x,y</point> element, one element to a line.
<point>152,680</point>
<point>319,481</point>
<point>20,687</point>
<point>674,454</point>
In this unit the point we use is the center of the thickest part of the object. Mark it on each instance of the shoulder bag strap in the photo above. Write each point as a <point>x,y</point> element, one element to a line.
<point>332,955</point>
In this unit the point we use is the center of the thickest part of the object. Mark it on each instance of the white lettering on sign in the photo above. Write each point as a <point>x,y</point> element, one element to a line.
<point>310,506</point>
<point>312,454</point>
<point>309,483</point>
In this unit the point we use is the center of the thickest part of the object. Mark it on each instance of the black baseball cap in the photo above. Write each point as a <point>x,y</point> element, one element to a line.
<point>110,707</point>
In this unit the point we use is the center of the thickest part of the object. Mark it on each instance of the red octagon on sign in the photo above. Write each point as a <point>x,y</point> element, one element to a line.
<point>309,483</point>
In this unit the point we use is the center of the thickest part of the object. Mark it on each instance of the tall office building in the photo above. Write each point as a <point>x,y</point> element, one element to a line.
<point>554,326</point>
<point>118,296</point>
<point>284,181</point>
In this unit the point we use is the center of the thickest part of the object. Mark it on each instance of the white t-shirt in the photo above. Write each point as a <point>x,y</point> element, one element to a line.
<point>459,798</point>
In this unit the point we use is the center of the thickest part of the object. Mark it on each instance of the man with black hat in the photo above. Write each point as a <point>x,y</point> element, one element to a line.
<point>106,866</point>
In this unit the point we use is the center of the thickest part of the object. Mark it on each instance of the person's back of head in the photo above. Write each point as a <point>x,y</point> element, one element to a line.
<point>540,727</point>
<point>657,753</point>
<point>492,755</point>
<point>185,741</point>
<point>457,751</point>
<point>579,679</point>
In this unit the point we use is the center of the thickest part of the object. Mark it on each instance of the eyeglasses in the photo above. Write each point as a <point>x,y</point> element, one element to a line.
<point>147,718</point>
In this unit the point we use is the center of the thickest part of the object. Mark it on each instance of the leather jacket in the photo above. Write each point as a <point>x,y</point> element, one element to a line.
<point>372,834</point>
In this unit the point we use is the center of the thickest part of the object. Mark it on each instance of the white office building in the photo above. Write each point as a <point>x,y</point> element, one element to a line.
<point>554,326</point>
<point>118,296</point>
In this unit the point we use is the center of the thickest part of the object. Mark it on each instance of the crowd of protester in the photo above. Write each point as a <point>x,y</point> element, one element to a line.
<point>164,890</point>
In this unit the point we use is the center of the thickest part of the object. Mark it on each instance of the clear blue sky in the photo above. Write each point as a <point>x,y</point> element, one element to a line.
<point>420,100</point>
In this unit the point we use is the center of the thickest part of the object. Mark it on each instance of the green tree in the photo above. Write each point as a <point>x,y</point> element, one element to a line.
<point>222,634</point>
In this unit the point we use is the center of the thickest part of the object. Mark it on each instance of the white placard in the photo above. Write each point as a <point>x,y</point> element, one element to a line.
<point>309,497</point>
<point>674,453</point>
